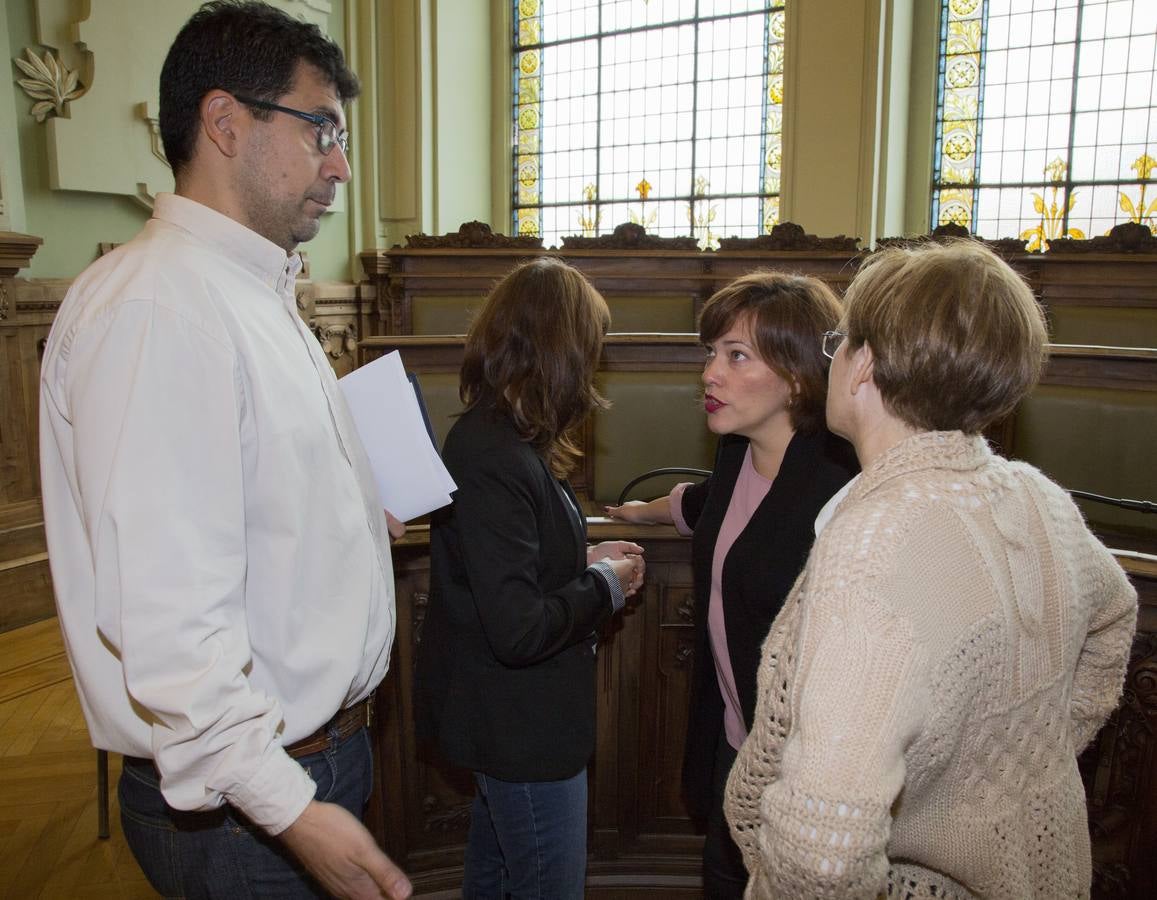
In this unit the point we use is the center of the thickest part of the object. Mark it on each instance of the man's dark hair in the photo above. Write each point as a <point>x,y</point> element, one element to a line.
<point>244,47</point>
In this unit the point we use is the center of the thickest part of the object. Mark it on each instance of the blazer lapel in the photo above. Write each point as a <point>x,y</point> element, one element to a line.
<point>570,505</point>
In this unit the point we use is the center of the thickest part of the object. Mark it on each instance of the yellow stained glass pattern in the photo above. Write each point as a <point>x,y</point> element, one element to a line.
<point>1052,213</point>
<point>577,153</point>
<point>1138,212</point>
<point>701,214</point>
<point>528,121</point>
<point>773,120</point>
<point>961,44</point>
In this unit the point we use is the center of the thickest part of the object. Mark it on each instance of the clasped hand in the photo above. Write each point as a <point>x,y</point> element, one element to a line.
<point>626,559</point>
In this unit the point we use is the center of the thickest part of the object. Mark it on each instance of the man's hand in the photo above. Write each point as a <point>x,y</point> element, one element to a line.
<point>396,526</point>
<point>341,854</point>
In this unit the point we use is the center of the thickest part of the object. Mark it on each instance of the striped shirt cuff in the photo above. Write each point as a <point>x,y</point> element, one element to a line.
<point>603,568</point>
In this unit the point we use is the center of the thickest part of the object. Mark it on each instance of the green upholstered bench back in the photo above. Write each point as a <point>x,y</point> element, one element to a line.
<point>651,312</point>
<point>443,313</point>
<point>655,420</point>
<point>1097,439</point>
<point>452,313</point>
<point>1105,326</point>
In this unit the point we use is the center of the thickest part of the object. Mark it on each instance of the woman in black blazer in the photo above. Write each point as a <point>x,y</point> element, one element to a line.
<point>505,681</point>
<point>752,521</point>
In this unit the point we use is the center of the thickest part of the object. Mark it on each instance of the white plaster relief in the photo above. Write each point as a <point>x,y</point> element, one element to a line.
<point>48,82</point>
<point>106,142</point>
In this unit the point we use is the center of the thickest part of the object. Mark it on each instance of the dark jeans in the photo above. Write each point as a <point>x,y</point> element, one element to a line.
<point>528,840</point>
<point>724,875</point>
<point>221,855</point>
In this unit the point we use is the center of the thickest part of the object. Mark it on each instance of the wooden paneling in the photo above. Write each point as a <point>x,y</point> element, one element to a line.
<point>1100,291</point>
<point>26,313</point>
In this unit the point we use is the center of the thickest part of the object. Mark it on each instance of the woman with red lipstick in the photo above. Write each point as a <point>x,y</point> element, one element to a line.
<point>752,521</point>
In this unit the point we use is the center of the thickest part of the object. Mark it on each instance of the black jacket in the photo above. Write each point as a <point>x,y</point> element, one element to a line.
<point>505,676</point>
<point>758,573</point>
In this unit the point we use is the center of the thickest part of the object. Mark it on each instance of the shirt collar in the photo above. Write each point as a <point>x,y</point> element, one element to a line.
<point>829,509</point>
<point>256,254</point>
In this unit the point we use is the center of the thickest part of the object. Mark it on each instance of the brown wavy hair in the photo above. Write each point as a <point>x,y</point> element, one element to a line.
<point>533,351</point>
<point>787,315</point>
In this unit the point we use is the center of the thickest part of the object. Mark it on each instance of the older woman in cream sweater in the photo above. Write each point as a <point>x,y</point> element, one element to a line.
<point>958,635</point>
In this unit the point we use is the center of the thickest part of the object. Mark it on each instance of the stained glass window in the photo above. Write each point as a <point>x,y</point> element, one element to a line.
<point>1046,125</point>
<point>667,113</point>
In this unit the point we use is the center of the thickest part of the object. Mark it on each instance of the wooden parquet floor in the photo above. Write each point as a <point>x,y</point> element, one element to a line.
<point>48,797</point>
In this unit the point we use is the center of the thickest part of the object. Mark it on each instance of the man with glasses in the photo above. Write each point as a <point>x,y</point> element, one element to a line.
<point>219,553</point>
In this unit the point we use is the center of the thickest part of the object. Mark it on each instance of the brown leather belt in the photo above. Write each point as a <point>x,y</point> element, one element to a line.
<point>337,729</point>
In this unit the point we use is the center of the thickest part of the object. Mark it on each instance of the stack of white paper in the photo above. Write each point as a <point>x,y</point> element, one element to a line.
<point>411,478</point>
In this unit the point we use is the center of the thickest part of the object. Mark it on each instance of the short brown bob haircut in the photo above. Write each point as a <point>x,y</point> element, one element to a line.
<point>533,350</point>
<point>787,316</point>
<point>957,336</point>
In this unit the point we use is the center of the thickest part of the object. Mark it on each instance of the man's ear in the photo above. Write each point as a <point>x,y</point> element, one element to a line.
<point>862,366</point>
<point>222,121</point>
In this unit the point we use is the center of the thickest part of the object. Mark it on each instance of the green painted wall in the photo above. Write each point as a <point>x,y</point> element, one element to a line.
<point>73,223</point>
<point>462,167</point>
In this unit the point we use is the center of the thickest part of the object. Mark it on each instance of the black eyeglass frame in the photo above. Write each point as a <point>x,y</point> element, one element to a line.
<point>328,136</point>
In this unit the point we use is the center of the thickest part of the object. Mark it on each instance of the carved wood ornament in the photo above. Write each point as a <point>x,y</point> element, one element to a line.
<point>789,236</point>
<point>629,236</point>
<point>472,235</point>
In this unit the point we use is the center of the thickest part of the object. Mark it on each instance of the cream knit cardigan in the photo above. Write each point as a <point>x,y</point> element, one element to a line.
<point>956,638</point>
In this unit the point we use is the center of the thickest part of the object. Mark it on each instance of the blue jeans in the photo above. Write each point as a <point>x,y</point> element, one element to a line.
<point>528,840</point>
<point>219,854</point>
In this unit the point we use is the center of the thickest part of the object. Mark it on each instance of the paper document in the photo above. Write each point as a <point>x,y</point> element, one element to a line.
<point>411,478</point>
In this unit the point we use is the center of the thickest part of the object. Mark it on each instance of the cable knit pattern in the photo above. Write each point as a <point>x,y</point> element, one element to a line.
<point>957,637</point>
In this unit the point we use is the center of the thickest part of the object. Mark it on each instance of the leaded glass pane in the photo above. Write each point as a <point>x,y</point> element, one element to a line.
<point>668,114</point>
<point>1046,122</point>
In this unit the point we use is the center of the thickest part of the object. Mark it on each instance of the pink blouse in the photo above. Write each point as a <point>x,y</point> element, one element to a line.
<point>750,489</point>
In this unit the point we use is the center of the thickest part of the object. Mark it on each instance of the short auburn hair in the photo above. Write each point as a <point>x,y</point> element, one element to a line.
<point>957,336</point>
<point>533,350</point>
<point>787,316</point>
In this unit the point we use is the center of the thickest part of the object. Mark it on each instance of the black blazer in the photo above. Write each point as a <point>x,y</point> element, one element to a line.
<point>505,678</point>
<point>758,573</point>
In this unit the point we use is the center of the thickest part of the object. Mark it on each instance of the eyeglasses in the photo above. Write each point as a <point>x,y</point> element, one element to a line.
<point>328,136</point>
<point>831,343</point>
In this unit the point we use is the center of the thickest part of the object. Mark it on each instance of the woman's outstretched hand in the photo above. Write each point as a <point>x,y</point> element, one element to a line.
<point>657,512</point>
